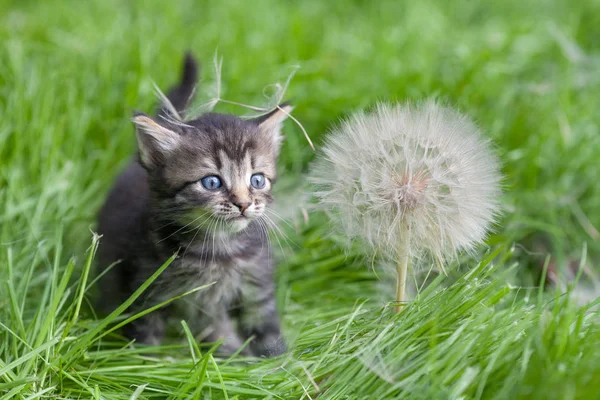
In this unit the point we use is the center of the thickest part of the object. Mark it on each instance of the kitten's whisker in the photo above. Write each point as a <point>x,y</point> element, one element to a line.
<point>211,233</point>
<point>183,227</point>
<point>204,253</point>
<point>266,221</point>
<point>264,229</point>
<point>278,230</point>
<point>217,227</point>
<point>207,235</point>
<point>274,213</point>
<point>174,211</point>
<point>197,226</point>
<point>193,238</point>
<point>164,226</point>
<point>268,240</point>
<point>167,215</point>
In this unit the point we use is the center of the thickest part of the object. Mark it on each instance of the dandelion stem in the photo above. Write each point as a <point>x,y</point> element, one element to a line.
<point>402,269</point>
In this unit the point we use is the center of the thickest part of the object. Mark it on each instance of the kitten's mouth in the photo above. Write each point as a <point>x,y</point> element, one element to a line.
<point>221,222</point>
<point>238,223</point>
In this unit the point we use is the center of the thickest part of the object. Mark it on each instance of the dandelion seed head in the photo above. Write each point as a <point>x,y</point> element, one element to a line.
<point>423,172</point>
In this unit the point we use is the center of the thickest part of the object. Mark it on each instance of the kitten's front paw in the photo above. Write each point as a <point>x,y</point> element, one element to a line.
<point>269,346</point>
<point>229,348</point>
<point>144,334</point>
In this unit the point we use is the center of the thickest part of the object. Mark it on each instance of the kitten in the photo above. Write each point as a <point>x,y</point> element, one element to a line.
<point>199,188</point>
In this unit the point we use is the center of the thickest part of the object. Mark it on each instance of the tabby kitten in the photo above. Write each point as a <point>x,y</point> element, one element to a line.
<point>199,188</point>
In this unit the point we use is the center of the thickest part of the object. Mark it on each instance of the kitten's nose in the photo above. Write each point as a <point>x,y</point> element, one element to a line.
<point>242,205</point>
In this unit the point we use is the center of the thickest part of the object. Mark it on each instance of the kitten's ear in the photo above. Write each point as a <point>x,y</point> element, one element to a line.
<point>272,122</point>
<point>154,140</point>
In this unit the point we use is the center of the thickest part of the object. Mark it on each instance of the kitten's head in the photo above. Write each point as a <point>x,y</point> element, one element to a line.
<point>214,172</point>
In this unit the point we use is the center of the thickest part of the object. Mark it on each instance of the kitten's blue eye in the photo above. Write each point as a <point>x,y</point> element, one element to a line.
<point>257,181</point>
<point>211,182</point>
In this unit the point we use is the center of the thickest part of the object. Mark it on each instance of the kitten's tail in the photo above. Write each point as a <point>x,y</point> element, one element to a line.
<point>181,95</point>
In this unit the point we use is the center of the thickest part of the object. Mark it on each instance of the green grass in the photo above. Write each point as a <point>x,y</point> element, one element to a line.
<point>71,73</point>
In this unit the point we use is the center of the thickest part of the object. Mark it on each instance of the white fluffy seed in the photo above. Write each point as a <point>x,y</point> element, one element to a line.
<point>423,172</point>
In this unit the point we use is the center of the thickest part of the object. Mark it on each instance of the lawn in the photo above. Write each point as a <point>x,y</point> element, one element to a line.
<point>72,73</point>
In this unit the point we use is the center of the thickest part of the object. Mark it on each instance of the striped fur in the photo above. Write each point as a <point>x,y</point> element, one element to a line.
<point>159,207</point>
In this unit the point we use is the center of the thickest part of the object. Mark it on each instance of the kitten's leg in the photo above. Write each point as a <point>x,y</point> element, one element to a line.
<point>259,318</point>
<point>149,329</point>
<point>223,328</point>
<point>117,286</point>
